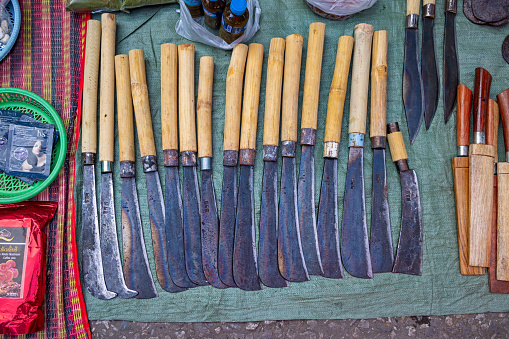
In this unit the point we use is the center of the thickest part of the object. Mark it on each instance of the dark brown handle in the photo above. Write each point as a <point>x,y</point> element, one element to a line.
<point>503,104</point>
<point>482,86</point>
<point>464,100</point>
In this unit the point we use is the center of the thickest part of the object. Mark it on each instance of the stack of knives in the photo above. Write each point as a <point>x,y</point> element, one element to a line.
<point>192,245</point>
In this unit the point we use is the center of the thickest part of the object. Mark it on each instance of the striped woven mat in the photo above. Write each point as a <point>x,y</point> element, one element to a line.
<point>46,60</point>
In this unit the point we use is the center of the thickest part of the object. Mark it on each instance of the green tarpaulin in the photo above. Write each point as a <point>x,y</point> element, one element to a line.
<point>440,290</point>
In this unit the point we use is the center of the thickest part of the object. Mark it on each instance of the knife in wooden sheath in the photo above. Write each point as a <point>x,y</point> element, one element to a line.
<point>429,69</point>
<point>328,221</point>
<point>450,67</point>
<point>136,265</point>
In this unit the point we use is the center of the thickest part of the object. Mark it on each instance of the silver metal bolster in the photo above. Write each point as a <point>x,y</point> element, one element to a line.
<point>205,163</point>
<point>463,151</point>
<point>451,6</point>
<point>106,166</point>
<point>355,140</point>
<point>149,163</point>
<point>428,11</point>
<point>288,149</point>
<point>479,138</point>
<point>88,158</point>
<point>412,21</point>
<point>269,153</point>
<point>331,149</point>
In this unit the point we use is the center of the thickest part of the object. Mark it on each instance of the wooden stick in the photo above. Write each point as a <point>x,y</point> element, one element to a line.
<point>204,107</point>
<point>124,109</point>
<point>169,96</point>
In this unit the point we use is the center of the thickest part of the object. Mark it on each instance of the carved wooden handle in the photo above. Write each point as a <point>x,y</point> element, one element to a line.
<point>379,85</point>
<point>464,101</point>
<point>204,107</point>
<point>169,96</point>
<point>187,115</point>
<point>124,109</point>
<point>482,86</point>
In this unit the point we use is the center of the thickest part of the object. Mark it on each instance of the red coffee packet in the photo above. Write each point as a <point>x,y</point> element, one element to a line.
<point>23,265</point>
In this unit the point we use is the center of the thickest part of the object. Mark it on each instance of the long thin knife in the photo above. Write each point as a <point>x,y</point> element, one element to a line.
<point>290,257</point>
<point>91,243</point>
<point>245,269</point>
<point>328,220</point>
<point>409,252</point>
<point>451,69</point>
<point>173,201</point>
<point>232,114</point>
<point>354,231</point>
<point>306,186</point>
<point>136,266</point>
<point>412,80</point>
<point>141,105</point>
<point>267,245</point>
<point>429,69</point>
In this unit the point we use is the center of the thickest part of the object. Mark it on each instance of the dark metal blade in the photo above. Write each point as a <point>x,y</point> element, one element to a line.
<point>327,225</point>
<point>227,225</point>
<point>245,270</point>
<point>157,223</point>
<point>429,71</point>
<point>112,267</point>
<point>174,228</point>
<point>409,253</point>
<point>136,266</point>
<point>209,230</point>
<point>382,253</point>
<point>267,243</point>
<point>291,258</point>
<point>412,84</point>
<point>354,231</point>
<point>307,216</point>
<point>90,239</point>
<point>192,227</point>
<point>451,69</point>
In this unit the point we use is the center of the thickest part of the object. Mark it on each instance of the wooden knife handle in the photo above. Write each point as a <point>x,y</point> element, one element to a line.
<point>169,96</point>
<point>379,85</point>
<point>141,103</point>
<point>492,105</point>
<point>482,86</point>
<point>490,123</point>
<point>233,101</point>
<point>396,142</point>
<point>290,104</point>
<point>124,109</point>
<point>363,35</point>
<point>251,96</point>
<point>187,116</point>
<point>204,107</point>
<point>464,104</point>
<point>413,7</point>
<point>90,81</point>
<point>503,102</point>
<point>425,2</point>
<point>312,75</point>
<point>273,89</point>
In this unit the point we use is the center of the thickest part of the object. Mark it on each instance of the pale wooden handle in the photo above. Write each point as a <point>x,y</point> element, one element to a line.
<point>273,89</point>
<point>412,7</point>
<point>425,2</point>
<point>141,103</point>
<point>397,146</point>
<point>233,101</point>
<point>290,104</point>
<point>363,35</point>
<point>337,92</point>
<point>312,75</point>
<point>379,85</point>
<point>90,80</point>
<point>187,117</point>
<point>124,109</point>
<point>251,96</point>
<point>204,107</point>
<point>169,96</point>
<point>503,222</point>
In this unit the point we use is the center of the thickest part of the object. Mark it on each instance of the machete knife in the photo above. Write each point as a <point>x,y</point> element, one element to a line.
<point>429,69</point>
<point>450,67</point>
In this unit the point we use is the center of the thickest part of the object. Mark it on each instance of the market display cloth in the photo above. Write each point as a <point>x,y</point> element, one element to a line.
<point>440,290</point>
<point>46,60</point>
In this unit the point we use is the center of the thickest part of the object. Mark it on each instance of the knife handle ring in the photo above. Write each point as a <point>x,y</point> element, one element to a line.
<point>88,158</point>
<point>412,21</point>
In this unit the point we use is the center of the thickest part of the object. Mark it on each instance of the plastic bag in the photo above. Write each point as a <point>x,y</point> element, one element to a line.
<point>190,29</point>
<point>5,25</point>
<point>339,9</point>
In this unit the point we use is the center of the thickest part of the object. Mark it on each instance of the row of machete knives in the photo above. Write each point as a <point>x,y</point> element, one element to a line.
<point>192,245</point>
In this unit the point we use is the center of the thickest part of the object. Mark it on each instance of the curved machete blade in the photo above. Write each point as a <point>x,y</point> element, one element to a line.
<point>451,72</point>
<point>429,71</point>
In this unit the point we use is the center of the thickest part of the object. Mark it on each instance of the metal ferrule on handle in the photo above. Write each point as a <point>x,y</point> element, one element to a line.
<point>356,140</point>
<point>106,166</point>
<point>127,169</point>
<point>331,150</point>
<point>171,158</point>
<point>205,163</point>
<point>451,6</point>
<point>288,149</point>
<point>308,136</point>
<point>379,142</point>
<point>230,158</point>
<point>149,163</point>
<point>479,138</point>
<point>428,11</point>
<point>247,157</point>
<point>188,158</point>
<point>412,21</point>
<point>270,153</point>
<point>463,151</point>
<point>88,158</point>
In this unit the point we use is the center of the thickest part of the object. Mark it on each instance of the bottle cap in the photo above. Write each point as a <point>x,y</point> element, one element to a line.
<point>238,7</point>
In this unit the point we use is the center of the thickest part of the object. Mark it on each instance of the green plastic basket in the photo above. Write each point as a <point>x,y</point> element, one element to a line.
<point>13,189</point>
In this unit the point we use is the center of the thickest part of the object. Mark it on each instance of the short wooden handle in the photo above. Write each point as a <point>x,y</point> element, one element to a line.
<point>204,107</point>
<point>363,35</point>
<point>251,96</point>
<point>169,96</point>
<point>233,101</point>
<point>503,102</point>
<point>379,85</point>
<point>290,101</point>
<point>187,116</point>
<point>273,89</point>
<point>90,81</point>
<point>338,88</point>
<point>412,7</point>
<point>396,143</point>
<point>107,104</point>
<point>124,109</point>
<point>482,84</point>
<point>464,101</point>
<point>425,2</point>
<point>312,75</point>
<point>141,103</point>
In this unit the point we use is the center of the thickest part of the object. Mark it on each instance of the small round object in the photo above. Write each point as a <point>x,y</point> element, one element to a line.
<point>21,153</point>
<point>469,13</point>
<point>505,49</point>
